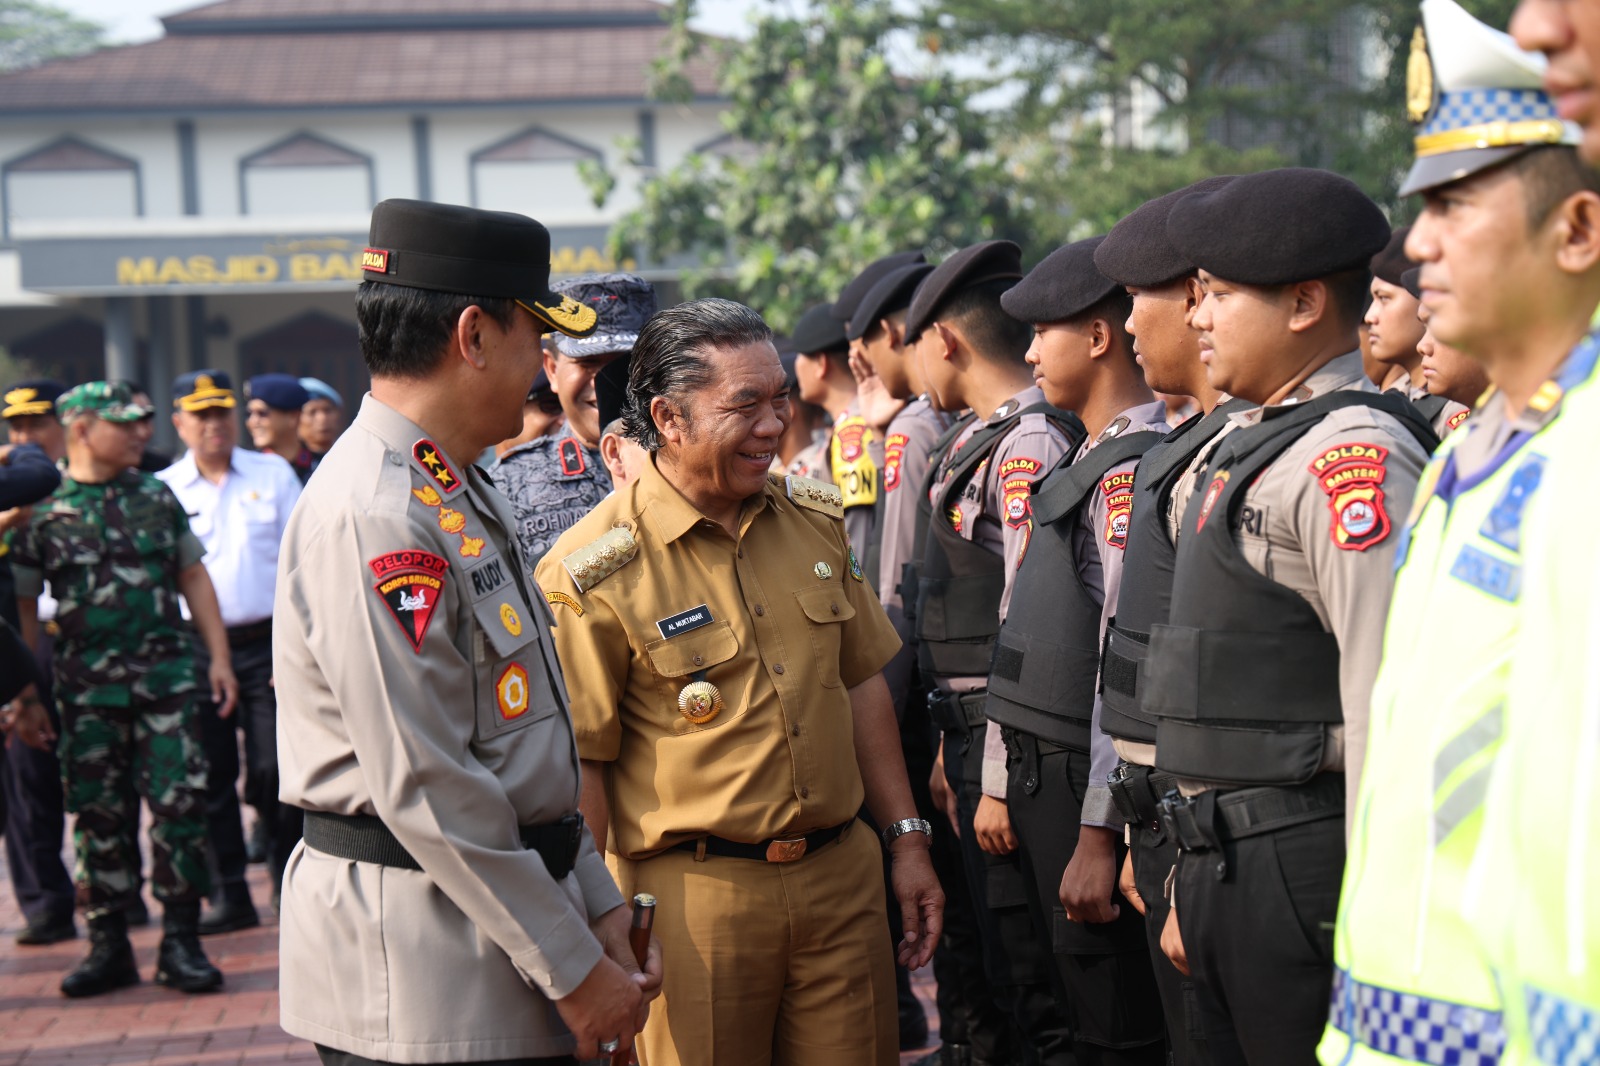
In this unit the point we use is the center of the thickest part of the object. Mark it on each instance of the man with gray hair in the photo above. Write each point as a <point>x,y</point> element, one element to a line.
<point>733,716</point>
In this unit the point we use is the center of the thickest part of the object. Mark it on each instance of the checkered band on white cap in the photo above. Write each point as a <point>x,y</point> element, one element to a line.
<point>1414,1028</point>
<point>1564,1033</point>
<point>1477,107</point>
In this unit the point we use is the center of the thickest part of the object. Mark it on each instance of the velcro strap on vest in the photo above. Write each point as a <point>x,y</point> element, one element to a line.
<point>1286,677</point>
<point>1120,661</point>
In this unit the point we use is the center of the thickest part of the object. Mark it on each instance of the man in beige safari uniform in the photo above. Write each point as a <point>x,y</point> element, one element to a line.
<point>447,904</point>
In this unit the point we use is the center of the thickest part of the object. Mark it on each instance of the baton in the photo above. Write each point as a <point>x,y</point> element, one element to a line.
<point>644,916</point>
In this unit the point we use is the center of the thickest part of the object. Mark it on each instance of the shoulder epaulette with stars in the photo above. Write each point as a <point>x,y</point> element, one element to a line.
<point>599,559</point>
<point>815,495</point>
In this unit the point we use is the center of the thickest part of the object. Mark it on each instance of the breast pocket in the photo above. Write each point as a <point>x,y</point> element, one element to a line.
<point>261,524</point>
<point>825,607</point>
<point>698,654</point>
<point>512,689</point>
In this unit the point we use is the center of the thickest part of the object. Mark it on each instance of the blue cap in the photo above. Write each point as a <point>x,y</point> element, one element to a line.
<point>321,390</point>
<point>200,389</point>
<point>36,397</point>
<point>281,392</point>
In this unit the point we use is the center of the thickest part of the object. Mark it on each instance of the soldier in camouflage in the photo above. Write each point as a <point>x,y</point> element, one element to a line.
<point>115,546</point>
<point>556,480</point>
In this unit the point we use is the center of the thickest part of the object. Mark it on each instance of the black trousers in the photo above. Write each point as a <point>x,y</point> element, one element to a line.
<point>330,1057</point>
<point>1017,963</point>
<point>1257,919</point>
<point>1103,970</point>
<point>35,817</point>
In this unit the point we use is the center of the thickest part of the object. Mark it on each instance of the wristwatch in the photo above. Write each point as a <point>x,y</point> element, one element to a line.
<point>907,825</point>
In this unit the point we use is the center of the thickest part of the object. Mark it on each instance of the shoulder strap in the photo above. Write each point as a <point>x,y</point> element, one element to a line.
<point>815,495</point>
<point>1066,487</point>
<point>599,559</point>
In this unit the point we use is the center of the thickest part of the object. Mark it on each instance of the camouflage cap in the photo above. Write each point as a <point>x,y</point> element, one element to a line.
<point>623,302</point>
<point>106,400</point>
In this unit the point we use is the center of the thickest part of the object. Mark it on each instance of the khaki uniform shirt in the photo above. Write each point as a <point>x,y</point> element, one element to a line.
<point>416,682</point>
<point>779,619</point>
<point>1288,530</point>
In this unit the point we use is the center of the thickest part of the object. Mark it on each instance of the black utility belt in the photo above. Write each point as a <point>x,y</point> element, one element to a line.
<point>364,838</point>
<point>239,636</point>
<point>776,850</point>
<point>1137,791</point>
<point>1203,822</point>
<point>957,711</point>
<point>1017,739</point>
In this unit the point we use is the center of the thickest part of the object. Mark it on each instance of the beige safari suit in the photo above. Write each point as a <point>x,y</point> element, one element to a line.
<point>764,962</point>
<point>416,682</point>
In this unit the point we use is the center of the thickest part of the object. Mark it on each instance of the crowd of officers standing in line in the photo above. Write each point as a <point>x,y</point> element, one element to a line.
<point>1169,536</point>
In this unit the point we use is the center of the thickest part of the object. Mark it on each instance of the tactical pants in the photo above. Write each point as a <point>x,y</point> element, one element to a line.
<point>1017,962</point>
<point>1257,919</point>
<point>35,819</point>
<point>110,758</point>
<point>1104,972</point>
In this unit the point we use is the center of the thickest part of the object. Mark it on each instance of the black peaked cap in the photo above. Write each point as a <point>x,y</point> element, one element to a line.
<point>844,308</point>
<point>1391,263</point>
<point>892,293</point>
<point>1064,284</point>
<point>611,390</point>
<point>1137,251</point>
<point>1279,227</point>
<point>818,331</point>
<point>971,266</point>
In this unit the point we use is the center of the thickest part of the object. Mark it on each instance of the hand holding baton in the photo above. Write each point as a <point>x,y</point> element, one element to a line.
<point>644,916</point>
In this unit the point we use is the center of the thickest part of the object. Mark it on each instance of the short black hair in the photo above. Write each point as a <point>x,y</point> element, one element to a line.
<point>1351,293</point>
<point>1115,309</point>
<point>670,357</point>
<point>994,336</point>
<point>403,330</point>
<point>1550,174</point>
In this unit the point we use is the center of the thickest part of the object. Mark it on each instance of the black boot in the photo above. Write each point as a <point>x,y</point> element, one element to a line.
<point>182,963</point>
<point>138,913</point>
<point>110,963</point>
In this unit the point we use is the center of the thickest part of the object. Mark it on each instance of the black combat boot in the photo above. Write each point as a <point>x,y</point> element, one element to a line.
<point>110,963</point>
<point>182,963</point>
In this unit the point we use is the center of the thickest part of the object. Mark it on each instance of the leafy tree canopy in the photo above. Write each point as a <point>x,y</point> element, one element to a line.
<point>31,33</point>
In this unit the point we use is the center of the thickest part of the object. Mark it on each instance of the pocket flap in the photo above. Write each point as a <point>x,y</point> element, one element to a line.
<point>506,622</point>
<point>699,649</point>
<point>825,603</point>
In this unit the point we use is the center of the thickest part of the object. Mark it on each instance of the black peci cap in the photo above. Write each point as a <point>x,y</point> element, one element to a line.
<point>1064,285</point>
<point>892,293</point>
<point>446,248</point>
<point>971,266</point>
<point>818,332</point>
<point>611,390</point>
<point>845,307</point>
<point>1391,263</point>
<point>1279,227</point>
<point>1137,252</point>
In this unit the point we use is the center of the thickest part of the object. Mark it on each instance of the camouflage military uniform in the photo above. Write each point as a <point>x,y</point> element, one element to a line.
<point>551,483</point>
<point>126,678</point>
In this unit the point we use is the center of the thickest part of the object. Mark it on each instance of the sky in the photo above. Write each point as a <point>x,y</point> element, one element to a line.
<point>130,21</point>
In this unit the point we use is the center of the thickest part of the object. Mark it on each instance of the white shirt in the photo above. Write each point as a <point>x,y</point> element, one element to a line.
<point>241,523</point>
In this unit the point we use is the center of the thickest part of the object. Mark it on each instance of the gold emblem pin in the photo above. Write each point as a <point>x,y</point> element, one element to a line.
<point>700,701</point>
<point>510,619</point>
<point>823,571</point>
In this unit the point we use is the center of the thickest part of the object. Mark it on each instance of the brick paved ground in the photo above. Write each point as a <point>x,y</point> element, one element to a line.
<point>151,1024</point>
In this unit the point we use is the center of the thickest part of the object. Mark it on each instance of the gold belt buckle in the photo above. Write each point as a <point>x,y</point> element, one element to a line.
<point>786,850</point>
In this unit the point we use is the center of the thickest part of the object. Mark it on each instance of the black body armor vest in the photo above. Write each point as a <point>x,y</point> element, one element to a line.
<point>911,569</point>
<point>960,582</point>
<point>1048,652</point>
<point>1147,566</point>
<point>1243,677</point>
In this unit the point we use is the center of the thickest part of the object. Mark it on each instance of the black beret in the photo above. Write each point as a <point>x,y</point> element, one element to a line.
<point>1411,281</point>
<point>1137,251</point>
<point>818,332</point>
<point>1064,284</point>
<point>1279,227</point>
<point>37,396</point>
<point>611,390</point>
<point>471,252</point>
<point>971,266</point>
<point>892,293</point>
<point>844,308</point>
<point>281,392</point>
<point>1391,263</point>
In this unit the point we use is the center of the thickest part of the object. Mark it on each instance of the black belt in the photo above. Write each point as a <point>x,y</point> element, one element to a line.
<point>1137,792</point>
<point>775,850</point>
<point>957,711</point>
<point>1203,822</point>
<point>1015,739</point>
<point>238,636</point>
<point>364,838</point>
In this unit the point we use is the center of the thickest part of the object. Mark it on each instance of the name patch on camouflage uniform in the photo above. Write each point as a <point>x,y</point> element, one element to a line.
<point>410,583</point>
<point>1352,477</point>
<point>432,460</point>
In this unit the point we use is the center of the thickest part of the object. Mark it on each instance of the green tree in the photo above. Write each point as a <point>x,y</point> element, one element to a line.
<point>836,159</point>
<point>31,33</point>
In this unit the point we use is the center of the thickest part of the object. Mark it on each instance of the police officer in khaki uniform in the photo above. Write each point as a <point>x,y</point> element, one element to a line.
<point>733,717</point>
<point>447,904</point>
<point>1262,674</point>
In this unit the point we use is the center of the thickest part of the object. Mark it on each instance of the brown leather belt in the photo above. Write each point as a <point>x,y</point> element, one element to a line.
<point>787,849</point>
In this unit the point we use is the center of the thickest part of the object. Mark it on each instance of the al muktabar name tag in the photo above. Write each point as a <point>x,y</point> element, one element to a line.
<point>693,618</point>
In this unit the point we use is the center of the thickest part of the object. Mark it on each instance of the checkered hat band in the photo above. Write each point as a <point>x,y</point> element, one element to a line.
<point>1478,107</point>
<point>1414,1028</point>
<point>1564,1033</point>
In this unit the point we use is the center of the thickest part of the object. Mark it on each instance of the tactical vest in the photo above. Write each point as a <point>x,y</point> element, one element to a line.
<point>1048,651</point>
<point>911,569</point>
<point>1430,407</point>
<point>1147,565</point>
<point>1243,677</point>
<point>961,583</point>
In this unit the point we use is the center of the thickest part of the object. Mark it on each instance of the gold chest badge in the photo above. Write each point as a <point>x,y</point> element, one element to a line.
<point>699,702</point>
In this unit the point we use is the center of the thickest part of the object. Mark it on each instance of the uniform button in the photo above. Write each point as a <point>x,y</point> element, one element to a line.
<point>698,660</point>
<point>778,669</point>
<point>834,607</point>
<point>805,793</point>
<point>795,730</point>
<point>395,458</point>
<point>760,610</point>
<point>741,553</point>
